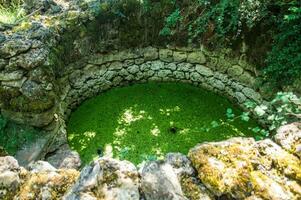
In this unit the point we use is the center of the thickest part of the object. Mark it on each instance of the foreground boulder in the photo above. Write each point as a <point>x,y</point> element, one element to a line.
<point>172,178</point>
<point>9,177</point>
<point>108,179</point>
<point>42,181</point>
<point>241,168</point>
<point>238,168</point>
<point>289,137</point>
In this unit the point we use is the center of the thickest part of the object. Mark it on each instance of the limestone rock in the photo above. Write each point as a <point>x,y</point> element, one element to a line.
<point>179,56</point>
<point>32,89</point>
<point>250,93</point>
<point>276,157</point>
<point>106,179</point>
<point>159,181</point>
<point>217,84</point>
<point>172,178</point>
<point>194,76</point>
<point>11,76</point>
<point>240,97</point>
<point>241,168</point>
<point>191,186</point>
<point>222,166</point>
<point>164,73</point>
<point>205,71</point>
<point>235,71</point>
<point>65,158</point>
<point>9,177</point>
<point>247,79</point>
<point>47,185</point>
<point>196,58</point>
<point>14,47</point>
<point>41,166</point>
<point>3,63</point>
<point>166,55</point>
<point>30,60</point>
<point>133,69</point>
<point>289,137</point>
<point>185,67</point>
<point>150,53</point>
<point>179,75</point>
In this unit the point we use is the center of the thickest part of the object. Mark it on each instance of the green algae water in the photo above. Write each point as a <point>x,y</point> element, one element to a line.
<point>146,121</point>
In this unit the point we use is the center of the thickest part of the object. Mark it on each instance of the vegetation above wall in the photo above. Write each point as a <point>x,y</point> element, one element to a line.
<point>271,30</point>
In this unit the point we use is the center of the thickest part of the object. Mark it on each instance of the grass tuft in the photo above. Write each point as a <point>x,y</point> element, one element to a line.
<point>10,11</point>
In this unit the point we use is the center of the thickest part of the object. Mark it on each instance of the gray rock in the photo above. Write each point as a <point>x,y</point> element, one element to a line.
<point>166,55</point>
<point>205,71</point>
<point>191,186</point>
<point>171,66</point>
<point>2,38</point>
<point>9,177</point>
<point>179,56</point>
<point>65,158</point>
<point>3,63</point>
<point>15,84</point>
<point>217,84</point>
<point>240,97</point>
<point>236,86</point>
<point>179,74</point>
<point>194,76</point>
<point>164,73</point>
<point>196,58</point>
<point>159,181</point>
<point>235,71</point>
<point>145,67</point>
<point>11,76</point>
<point>289,137</point>
<point>109,75</point>
<point>123,72</point>
<point>221,77</point>
<point>139,61</point>
<point>41,166</point>
<point>106,179</point>
<point>151,53</point>
<point>32,89</point>
<point>250,93</point>
<point>149,73</point>
<point>157,65</point>
<point>247,79</point>
<point>133,69</point>
<point>29,60</point>
<point>13,47</point>
<point>116,65</point>
<point>185,67</point>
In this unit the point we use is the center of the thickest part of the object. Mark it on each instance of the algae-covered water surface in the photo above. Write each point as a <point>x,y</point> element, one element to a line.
<point>146,121</point>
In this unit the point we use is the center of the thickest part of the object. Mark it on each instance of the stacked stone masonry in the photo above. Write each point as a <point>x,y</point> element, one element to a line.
<point>104,71</point>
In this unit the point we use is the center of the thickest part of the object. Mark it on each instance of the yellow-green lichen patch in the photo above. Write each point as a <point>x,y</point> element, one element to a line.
<point>53,184</point>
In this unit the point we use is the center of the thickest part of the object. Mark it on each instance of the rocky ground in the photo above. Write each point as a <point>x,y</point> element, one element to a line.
<point>238,168</point>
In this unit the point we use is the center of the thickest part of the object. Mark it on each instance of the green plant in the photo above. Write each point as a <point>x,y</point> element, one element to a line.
<point>283,109</point>
<point>171,22</point>
<point>11,11</point>
<point>259,133</point>
<point>284,60</point>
